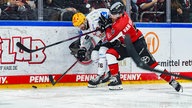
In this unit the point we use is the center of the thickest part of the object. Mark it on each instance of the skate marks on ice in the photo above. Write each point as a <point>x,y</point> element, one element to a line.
<point>132,96</point>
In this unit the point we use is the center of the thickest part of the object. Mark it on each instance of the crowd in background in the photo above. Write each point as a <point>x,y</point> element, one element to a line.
<point>155,10</point>
<point>63,10</point>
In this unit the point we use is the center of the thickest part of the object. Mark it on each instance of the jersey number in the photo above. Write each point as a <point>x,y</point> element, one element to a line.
<point>126,28</point>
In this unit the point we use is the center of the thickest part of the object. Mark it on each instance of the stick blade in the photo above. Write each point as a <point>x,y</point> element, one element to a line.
<point>51,80</point>
<point>21,46</point>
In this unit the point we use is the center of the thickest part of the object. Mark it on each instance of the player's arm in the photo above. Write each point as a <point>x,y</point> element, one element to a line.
<point>85,44</point>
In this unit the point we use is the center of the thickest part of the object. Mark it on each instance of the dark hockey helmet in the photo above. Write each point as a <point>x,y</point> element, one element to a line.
<point>117,8</point>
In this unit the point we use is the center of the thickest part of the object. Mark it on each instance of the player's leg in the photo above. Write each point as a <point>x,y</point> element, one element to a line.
<point>100,57</point>
<point>115,81</point>
<point>141,47</point>
<point>175,84</point>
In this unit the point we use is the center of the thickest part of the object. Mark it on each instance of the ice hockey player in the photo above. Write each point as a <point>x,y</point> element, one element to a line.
<point>86,24</point>
<point>123,25</point>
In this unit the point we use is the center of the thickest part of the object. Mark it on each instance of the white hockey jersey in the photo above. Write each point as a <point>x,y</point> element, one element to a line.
<point>93,18</point>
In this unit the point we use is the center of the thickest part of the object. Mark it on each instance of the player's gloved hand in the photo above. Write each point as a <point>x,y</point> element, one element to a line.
<point>104,23</point>
<point>81,54</point>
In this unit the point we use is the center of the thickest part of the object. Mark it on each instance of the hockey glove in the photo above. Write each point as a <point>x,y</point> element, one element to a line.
<point>81,54</point>
<point>104,23</point>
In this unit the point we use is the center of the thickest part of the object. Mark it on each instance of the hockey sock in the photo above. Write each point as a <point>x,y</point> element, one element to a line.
<point>114,69</point>
<point>166,77</point>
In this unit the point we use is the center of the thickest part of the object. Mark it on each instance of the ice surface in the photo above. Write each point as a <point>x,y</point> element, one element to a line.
<point>132,96</point>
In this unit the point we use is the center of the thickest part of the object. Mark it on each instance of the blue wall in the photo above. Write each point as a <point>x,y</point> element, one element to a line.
<point>56,23</point>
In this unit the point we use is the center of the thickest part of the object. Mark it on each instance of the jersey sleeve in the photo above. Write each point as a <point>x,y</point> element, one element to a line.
<point>115,31</point>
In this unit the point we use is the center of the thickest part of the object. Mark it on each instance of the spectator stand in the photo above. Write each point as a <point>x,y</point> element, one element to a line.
<point>17,10</point>
<point>151,10</point>
<point>62,10</point>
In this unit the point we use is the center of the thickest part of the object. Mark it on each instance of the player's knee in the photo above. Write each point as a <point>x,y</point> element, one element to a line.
<point>111,59</point>
<point>112,56</point>
<point>102,52</point>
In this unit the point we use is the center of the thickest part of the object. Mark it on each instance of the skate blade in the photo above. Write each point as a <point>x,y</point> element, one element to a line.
<point>117,87</point>
<point>181,90</point>
<point>92,86</point>
<point>99,85</point>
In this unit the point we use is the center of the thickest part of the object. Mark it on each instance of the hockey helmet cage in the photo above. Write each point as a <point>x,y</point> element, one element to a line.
<point>117,8</point>
<point>78,19</point>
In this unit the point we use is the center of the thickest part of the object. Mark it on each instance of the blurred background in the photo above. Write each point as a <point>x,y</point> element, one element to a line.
<point>164,11</point>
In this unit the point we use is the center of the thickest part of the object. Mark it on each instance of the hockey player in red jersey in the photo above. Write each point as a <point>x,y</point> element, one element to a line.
<point>123,25</point>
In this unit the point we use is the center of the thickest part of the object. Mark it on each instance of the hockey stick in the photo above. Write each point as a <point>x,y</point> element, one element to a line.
<point>21,46</point>
<point>51,76</point>
<point>136,58</point>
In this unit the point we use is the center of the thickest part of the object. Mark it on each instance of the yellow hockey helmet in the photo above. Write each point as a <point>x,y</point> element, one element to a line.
<point>78,19</point>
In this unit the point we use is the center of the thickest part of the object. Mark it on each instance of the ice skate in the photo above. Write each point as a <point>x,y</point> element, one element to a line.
<point>176,85</point>
<point>106,77</point>
<point>115,83</point>
<point>94,82</point>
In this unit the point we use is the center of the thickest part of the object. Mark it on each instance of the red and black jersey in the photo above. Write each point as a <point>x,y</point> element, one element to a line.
<point>125,26</point>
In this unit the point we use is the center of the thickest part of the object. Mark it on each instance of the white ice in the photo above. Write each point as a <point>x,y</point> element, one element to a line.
<point>132,96</point>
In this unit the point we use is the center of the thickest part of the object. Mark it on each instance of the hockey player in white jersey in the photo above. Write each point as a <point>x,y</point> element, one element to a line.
<point>86,24</point>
